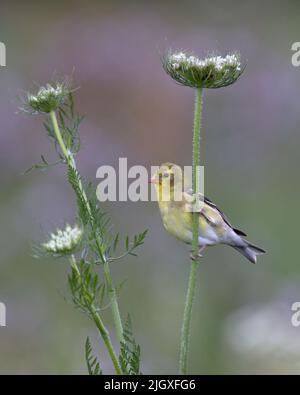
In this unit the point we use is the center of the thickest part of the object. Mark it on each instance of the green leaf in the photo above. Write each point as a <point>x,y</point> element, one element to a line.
<point>75,181</point>
<point>130,353</point>
<point>86,288</point>
<point>116,241</point>
<point>91,361</point>
<point>102,293</point>
<point>43,165</point>
<point>71,101</point>
<point>49,128</point>
<point>119,287</point>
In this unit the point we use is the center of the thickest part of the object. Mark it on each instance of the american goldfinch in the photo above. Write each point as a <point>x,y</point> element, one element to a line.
<point>214,227</point>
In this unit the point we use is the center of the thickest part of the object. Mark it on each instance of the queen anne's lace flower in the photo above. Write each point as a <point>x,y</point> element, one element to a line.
<point>48,98</point>
<point>64,241</point>
<point>211,72</point>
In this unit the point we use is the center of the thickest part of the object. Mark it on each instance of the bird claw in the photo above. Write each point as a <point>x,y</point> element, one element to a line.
<point>198,256</point>
<point>195,258</point>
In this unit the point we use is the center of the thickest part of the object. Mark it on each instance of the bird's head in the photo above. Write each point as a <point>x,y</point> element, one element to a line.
<point>168,181</point>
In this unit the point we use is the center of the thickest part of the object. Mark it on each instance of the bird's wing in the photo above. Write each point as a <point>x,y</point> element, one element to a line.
<point>210,211</point>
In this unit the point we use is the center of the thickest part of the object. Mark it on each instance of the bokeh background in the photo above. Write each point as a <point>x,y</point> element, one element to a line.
<point>250,149</point>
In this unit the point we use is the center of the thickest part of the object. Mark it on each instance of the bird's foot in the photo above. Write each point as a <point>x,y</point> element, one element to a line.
<point>198,256</point>
<point>195,258</point>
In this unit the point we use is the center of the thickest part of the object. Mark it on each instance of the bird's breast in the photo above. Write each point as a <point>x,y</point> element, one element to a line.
<point>175,222</point>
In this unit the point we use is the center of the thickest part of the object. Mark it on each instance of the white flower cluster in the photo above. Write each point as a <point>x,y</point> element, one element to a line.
<point>64,241</point>
<point>180,59</point>
<point>48,98</point>
<point>45,92</point>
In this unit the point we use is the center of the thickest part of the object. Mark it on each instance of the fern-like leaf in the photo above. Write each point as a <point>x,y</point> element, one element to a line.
<point>91,361</point>
<point>130,353</point>
<point>76,183</point>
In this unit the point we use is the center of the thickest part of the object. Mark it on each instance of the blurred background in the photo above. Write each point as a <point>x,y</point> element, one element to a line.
<point>250,149</point>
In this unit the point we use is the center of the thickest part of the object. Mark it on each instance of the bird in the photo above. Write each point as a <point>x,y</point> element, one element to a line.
<point>176,208</point>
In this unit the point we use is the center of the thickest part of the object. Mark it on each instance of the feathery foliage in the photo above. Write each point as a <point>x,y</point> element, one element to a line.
<point>98,244</point>
<point>69,122</point>
<point>130,351</point>
<point>92,363</point>
<point>75,181</point>
<point>86,289</point>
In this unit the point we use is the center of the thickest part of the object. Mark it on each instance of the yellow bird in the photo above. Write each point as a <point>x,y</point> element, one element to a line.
<point>176,208</point>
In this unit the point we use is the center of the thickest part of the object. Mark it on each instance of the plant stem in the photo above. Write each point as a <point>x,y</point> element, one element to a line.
<point>110,285</point>
<point>101,327</point>
<point>187,315</point>
<point>106,338</point>
<point>114,303</point>
<point>59,136</point>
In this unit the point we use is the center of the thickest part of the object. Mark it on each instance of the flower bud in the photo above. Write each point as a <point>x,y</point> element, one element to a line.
<point>48,98</point>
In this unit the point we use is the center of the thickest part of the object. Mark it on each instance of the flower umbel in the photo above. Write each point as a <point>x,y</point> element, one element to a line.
<point>210,72</point>
<point>48,98</point>
<point>64,242</point>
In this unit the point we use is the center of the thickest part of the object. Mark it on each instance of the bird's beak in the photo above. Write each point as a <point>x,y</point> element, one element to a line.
<point>153,180</point>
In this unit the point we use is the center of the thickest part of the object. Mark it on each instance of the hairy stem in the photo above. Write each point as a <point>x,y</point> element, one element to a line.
<point>113,303</point>
<point>101,327</point>
<point>187,315</point>
<point>110,285</point>
<point>106,338</point>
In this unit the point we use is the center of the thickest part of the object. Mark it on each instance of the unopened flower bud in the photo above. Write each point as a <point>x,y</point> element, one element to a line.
<point>48,98</point>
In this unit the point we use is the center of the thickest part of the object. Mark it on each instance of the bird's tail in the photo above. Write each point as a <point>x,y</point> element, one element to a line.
<point>249,251</point>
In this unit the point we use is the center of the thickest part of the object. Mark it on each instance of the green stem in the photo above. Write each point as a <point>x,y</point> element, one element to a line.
<point>110,285</point>
<point>101,327</point>
<point>67,154</point>
<point>113,303</point>
<point>59,136</point>
<point>187,315</point>
<point>105,336</point>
